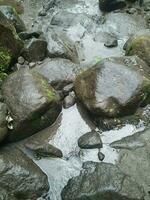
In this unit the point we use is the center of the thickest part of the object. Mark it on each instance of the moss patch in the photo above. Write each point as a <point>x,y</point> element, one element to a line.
<point>49,91</point>
<point>5,59</point>
<point>137,43</point>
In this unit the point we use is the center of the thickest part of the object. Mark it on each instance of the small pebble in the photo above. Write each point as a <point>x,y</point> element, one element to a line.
<point>32,64</point>
<point>101,156</point>
<point>68,88</point>
<point>21,60</point>
<point>69,100</point>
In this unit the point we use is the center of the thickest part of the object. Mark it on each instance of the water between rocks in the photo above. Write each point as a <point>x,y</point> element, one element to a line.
<point>74,122</point>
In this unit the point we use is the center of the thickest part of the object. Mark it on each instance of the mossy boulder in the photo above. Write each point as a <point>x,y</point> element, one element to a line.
<point>140,45</point>
<point>114,87</point>
<point>10,44</point>
<point>32,102</point>
<point>11,14</point>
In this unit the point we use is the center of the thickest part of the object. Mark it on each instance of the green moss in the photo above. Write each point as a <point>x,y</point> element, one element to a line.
<point>98,59</point>
<point>5,59</point>
<point>136,44</point>
<point>49,91</point>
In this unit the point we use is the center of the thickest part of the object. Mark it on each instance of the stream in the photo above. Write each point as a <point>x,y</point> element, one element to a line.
<point>88,30</point>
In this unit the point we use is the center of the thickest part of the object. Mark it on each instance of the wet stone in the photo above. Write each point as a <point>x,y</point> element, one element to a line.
<point>68,88</point>
<point>21,60</point>
<point>69,100</point>
<point>101,156</point>
<point>29,35</point>
<point>95,181</point>
<point>111,42</point>
<point>20,178</point>
<point>43,149</point>
<point>131,142</point>
<point>90,140</point>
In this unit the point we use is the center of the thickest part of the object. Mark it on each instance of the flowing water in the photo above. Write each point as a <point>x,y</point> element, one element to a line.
<point>73,122</point>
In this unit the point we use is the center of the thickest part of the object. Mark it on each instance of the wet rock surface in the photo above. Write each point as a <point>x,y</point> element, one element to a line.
<point>35,50</point>
<point>3,123</point>
<point>59,72</point>
<point>10,13</point>
<point>139,45</point>
<point>108,6</point>
<point>20,177</point>
<point>109,182</point>
<point>90,140</point>
<point>43,150</point>
<point>32,102</point>
<point>10,44</point>
<point>79,32</point>
<point>114,86</point>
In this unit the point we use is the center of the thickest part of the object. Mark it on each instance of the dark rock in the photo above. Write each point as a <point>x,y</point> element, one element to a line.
<point>35,50</point>
<point>20,178</point>
<point>90,140</point>
<point>59,45</point>
<point>102,181</point>
<point>32,64</point>
<point>21,60</point>
<point>43,150</point>
<point>33,103</point>
<point>110,5</point>
<point>3,122</point>
<point>111,42</point>
<point>13,17</point>
<point>139,45</point>
<point>59,72</point>
<point>10,44</point>
<point>114,86</point>
<point>101,156</point>
<point>29,35</point>
<point>131,10</point>
<point>68,88</point>
<point>69,100</point>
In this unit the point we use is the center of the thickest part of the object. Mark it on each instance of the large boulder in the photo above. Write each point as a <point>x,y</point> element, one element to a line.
<point>139,45</point>
<point>10,44</point>
<point>110,5</point>
<point>32,102</point>
<point>59,45</point>
<point>35,49</point>
<point>3,122</point>
<point>114,86</point>
<point>59,72</point>
<point>20,178</point>
<point>11,14</point>
<point>102,181</point>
